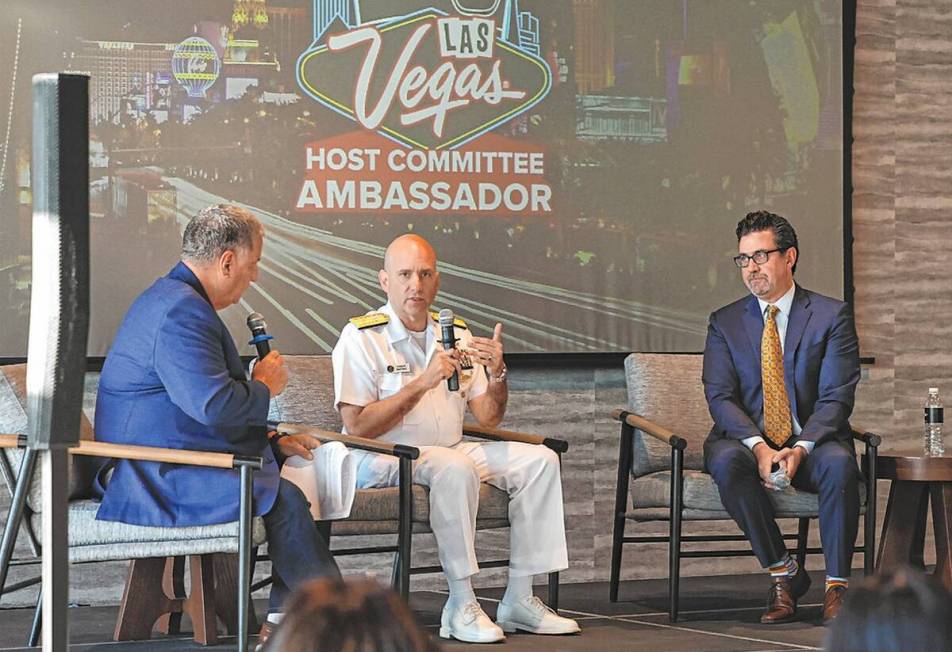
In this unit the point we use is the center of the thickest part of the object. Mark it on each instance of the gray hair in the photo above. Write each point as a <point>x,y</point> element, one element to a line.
<point>217,229</point>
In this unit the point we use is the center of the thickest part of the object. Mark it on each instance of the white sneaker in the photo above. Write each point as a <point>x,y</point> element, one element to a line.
<point>469,623</point>
<point>531,615</point>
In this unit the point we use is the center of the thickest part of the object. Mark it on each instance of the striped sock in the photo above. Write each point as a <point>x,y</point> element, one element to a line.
<point>836,581</point>
<point>787,566</point>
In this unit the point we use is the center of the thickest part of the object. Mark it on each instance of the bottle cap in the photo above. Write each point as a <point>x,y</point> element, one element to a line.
<point>933,390</point>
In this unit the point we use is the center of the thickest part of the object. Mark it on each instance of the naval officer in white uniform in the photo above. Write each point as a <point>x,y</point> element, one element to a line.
<point>390,374</point>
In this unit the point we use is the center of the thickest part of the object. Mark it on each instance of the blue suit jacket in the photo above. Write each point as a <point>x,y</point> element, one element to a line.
<point>173,378</point>
<point>820,365</point>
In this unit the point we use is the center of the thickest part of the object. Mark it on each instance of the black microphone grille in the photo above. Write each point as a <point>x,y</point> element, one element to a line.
<point>256,321</point>
<point>446,317</point>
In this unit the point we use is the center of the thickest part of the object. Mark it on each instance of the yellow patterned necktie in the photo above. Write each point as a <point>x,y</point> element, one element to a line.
<point>777,423</point>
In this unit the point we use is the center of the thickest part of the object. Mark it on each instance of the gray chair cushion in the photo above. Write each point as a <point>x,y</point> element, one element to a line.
<point>384,504</point>
<point>666,388</point>
<point>376,511</point>
<point>93,540</point>
<point>702,500</point>
<point>13,420</point>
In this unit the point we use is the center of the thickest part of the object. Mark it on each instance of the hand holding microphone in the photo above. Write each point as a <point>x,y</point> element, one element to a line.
<point>270,368</point>
<point>448,338</point>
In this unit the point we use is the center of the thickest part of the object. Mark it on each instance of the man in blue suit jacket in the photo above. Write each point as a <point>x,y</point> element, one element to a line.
<point>819,368</point>
<point>173,378</point>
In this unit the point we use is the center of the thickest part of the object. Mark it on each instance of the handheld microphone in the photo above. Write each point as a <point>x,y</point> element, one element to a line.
<point>259,334</point>
<point>448,338</point>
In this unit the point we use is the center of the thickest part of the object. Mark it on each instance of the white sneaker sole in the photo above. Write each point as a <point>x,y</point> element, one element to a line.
<point>510,627</point>
<point>447,633</point>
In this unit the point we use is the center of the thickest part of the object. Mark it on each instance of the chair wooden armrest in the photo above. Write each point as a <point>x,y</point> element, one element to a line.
<point>360,443</point>
<point>868,438</point>
<point>496,434</point>
<point>651,428</point>
<point>150,453</point>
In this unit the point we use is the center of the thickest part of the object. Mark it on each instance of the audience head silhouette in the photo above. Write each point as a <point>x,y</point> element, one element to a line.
<point>333,615</point>
<point>904,610</point>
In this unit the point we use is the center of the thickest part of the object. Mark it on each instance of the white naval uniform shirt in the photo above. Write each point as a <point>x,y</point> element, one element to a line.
<point>374,363</point>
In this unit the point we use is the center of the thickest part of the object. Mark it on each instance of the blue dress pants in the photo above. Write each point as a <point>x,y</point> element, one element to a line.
<point>298,551</point>
<point>830,470</point>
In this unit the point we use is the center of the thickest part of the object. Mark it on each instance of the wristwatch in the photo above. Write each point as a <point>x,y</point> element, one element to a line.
<point>277,436</point>
<point>500,378</point>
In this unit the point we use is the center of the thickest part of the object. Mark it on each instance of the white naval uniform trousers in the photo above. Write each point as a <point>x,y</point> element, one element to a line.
<point>376,362</point>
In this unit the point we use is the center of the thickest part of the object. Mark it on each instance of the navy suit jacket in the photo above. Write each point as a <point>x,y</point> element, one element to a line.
<point>820,365</point>
<point>173,378</point>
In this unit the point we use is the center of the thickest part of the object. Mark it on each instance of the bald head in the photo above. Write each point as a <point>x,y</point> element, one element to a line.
<point>407,243</point>
<point>410,279</point>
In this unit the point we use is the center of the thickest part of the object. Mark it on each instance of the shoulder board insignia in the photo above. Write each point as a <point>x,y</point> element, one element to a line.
<point>457,322</point>
<point>370,320</point>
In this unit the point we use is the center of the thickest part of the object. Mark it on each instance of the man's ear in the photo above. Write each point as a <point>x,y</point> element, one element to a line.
<point>383,279</point>
<point>226,263</point>
<point>792,255</point>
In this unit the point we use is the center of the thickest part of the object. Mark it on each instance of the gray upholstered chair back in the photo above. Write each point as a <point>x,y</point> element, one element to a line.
<point>13,420</point>
<point>666,389</point>
<point>309,395</point>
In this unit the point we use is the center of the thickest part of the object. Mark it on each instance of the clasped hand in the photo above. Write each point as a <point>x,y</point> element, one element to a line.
<point>788,459</point>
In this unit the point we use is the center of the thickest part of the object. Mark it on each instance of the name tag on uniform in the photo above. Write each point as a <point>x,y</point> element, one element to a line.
<point>402,368</point>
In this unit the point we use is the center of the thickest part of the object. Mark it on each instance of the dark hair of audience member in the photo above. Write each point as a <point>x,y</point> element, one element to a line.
<point>333,615</point>
<point>904,610</point>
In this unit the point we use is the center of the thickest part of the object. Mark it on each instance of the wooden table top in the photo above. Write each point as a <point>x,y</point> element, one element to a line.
<point>912,464</point>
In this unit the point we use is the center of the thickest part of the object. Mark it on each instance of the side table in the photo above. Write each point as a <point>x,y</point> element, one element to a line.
<point>916,479</point>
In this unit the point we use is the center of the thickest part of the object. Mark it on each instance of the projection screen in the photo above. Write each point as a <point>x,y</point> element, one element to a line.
<point>579,165</point>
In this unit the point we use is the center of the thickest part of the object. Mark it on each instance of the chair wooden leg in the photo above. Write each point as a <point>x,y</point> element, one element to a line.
<point>173,584</point>
<point>225,567</point>
<point>803,535</point>
<point>200,605</point>
<point>143,600</point>
<point>554,591</point>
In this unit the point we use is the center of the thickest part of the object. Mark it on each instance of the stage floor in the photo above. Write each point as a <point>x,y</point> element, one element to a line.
<point>717,614</point>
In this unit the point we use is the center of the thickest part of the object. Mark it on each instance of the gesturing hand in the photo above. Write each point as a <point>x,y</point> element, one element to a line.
<point>488,352</point>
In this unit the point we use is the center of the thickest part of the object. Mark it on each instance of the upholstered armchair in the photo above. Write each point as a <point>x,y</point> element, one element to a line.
<point>402,510</point>
<point>149,595</point>
<point>661,466</point>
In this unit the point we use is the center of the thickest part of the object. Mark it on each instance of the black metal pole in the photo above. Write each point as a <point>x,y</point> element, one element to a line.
<point>22,488</point>
<point>674,545</point>
<point>244,556</point>
<point>869,521</point>
<point>405,525</point>
<point>621,502</point>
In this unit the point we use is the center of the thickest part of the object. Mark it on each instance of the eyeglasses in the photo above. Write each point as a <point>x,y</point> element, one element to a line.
<point>760,257</point>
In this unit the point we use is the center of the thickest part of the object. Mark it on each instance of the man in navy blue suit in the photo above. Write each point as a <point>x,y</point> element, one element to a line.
<point>173,378</point>
<point>780,374</point>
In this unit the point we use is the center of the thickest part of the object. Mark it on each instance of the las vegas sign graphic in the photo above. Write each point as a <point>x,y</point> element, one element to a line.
<point>432,78</point>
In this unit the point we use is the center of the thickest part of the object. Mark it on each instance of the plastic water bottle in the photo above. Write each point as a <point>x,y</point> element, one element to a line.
<point>933,444</point>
